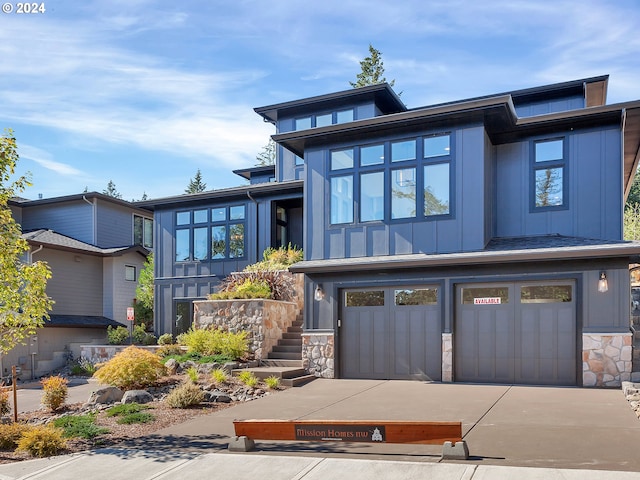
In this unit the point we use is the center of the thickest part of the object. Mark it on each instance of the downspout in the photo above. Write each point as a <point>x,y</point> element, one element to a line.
<point>257,226</point>
<point>94,232</point>
<point>31,254</point>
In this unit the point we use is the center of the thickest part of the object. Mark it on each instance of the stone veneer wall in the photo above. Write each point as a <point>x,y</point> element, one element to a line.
<point>606,359</point>
<point>265,320</point>
<point>318,354</point>
<point>447,357</point>
<point>103,353</point>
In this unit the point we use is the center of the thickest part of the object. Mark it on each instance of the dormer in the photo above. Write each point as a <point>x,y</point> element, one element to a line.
<point>260,174</point>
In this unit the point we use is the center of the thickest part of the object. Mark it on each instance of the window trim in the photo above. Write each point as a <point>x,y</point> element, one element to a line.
<point>146,242</point>
<point>535,166</point>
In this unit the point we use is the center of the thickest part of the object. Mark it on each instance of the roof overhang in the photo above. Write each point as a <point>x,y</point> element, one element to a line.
<point>403,262</point>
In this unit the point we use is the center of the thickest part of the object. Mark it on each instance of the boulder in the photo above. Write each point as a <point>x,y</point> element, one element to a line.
<point>105,395</point>
<point>137,396</point>
<point>217,396</point>
<point>172,366</point>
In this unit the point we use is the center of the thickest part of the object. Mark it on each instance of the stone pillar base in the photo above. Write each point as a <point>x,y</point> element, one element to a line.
<point>606,359</point>
<point>447,357</point>
<point>318,354</point>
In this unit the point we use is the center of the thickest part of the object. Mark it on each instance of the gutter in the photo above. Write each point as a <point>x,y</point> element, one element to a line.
<point>94,233</point>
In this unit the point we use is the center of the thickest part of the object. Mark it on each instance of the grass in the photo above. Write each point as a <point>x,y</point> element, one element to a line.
<point>140,417</point>
<point>196,357</point>
<point>80,426</point>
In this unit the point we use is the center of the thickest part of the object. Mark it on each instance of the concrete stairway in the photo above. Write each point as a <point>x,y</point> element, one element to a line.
<point>285,359</point>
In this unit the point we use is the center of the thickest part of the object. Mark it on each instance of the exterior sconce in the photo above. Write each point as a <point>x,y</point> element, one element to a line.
<point>603,284</point>
<point>318,294</point>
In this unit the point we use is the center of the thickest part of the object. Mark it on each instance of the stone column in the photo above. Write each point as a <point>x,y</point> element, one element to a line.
<point>318,354</point>
<point>447,357</point>
<point>606,359</point>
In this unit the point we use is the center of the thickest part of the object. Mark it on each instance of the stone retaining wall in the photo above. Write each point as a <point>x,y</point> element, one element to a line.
<point>318,354</point>
<point>265,320</point>
<point>103,353</point>
<point>606,359</point>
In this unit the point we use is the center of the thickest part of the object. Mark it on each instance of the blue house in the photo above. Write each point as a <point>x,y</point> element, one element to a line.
<point>478,240</point>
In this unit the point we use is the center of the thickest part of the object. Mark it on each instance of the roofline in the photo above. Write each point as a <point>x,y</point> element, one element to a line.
<point>258,189</point>
<point>246,172</point>
<point>73,198</point>
<point>93,250</point>
<point>394,262</point>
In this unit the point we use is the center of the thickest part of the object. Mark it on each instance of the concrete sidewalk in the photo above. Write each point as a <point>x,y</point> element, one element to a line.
<point>592,432</point>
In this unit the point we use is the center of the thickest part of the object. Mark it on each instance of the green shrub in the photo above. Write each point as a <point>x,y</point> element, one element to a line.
<point>216,342</point>
<point>125,409</point>
<point>192,373</point>
<point>272,382</point>
<point>5,407</point>
<point>79,426</point>
<point>138,334</point>
<point>248,378</point>
<point>54,392</point>
<point>10,434</point>
<point>168,350</point>
<point>245,290</point>
<point>140,417</point>
<point>150,339</point>
<point>42,441</point>
<point>277,259</point>
<point>83,366</point>
<point>165,339</point>
<point>219,376</point>
<point>117,335</point>
<point>185,395</point>
<point>132,368</point>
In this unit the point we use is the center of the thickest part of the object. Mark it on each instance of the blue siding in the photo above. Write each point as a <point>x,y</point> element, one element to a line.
<point>549,106</point>
<point>595,195</point>
<point>115,225</point>
<point>73,219</point>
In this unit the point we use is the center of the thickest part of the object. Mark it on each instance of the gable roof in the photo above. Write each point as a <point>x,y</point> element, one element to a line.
<point>23,202</point>
<point>58,241</point>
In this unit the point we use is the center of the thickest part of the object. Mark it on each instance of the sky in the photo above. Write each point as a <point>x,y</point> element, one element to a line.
<point>146,92</point>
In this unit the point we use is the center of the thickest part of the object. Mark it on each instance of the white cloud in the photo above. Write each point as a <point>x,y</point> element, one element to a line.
<point>44,159</point>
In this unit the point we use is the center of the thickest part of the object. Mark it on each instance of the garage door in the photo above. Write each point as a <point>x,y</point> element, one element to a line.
<point>523,333</point>
<point>391,333</point>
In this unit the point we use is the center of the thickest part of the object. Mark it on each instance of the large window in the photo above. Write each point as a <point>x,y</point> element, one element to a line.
<point>324,119</point>
<point>548,174</point>
<point>210,234</point>
<point>142,231</point>
<point>412,176</point>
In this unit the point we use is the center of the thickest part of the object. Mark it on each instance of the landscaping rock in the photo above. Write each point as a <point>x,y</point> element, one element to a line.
<point>172,366</point>
<point>137,396</point>
<point>631,392</point>
<point>105,395</point>
<point>217,396</point>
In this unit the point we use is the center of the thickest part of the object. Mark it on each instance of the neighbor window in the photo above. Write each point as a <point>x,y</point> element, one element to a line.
<point>130,273</point>
<point>549,173</point>
<point>143,231</point>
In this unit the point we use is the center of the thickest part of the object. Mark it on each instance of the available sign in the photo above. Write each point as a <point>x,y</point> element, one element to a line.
<point>487,301</point>
<point>346,433</point>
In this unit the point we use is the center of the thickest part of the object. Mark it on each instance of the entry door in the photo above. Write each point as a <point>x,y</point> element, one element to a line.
<point>522,333</point>
<point>391,333</point>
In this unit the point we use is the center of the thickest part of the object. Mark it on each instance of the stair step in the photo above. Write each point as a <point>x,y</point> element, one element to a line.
<point>285,356</point>
<point>286,349</point>
<point>280,362</point>
<point>280,372</point>
<point>294,330</point>
<point>296,342</point>
<point>291,336</point>
<point>298,381</point>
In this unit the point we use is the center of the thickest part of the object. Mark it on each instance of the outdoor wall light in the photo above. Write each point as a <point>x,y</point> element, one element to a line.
<point>318,294</point>
<point>603,284</point>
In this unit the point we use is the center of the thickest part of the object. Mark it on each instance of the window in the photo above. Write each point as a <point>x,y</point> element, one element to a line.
<point>299,161</point>
<point>366,298</point>
<point>213,234</point>
<point>342,199</point>
<point>545,294</point>
<point>130,273</point>
<point>344,116</point>
<point>548,177</point>
<point>371,196</point>
<point>403,174</point>
<point>418,296</point>
<point>143,231</point>
<point>303,123</point>
<point>324,120</point>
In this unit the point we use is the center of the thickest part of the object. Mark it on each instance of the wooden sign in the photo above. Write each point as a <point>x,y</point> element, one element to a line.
<point>433,433</point>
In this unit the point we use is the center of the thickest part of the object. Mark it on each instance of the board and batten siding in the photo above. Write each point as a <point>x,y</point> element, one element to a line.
<point>594,192</point>
<point>542,107</point>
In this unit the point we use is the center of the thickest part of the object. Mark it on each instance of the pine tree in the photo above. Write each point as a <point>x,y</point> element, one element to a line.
<point>268,154</point>
<point>372,70</point>
<point>111,190</point>
<point>196,185</point>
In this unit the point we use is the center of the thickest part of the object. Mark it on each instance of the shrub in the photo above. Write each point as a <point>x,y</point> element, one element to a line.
<point>248,378</point>
<point>79,426</point>
<point>165,339</point>
<point>272,382</point>
<point>55,392</point>
<point>10,434</point>
<point>184,396</point>
<point>132,368</point>
<point>281,286</point>
<point>138,334</point>
<point>150,339</point>
<point>207,342</point>
<point>125,409</point>
<point>42,441</point>
<point>83,366</point>
<point>248,289</point>
<point>192,373</point>
<point>140,417</point>
<point>168,350</point>
<point>277,259</point>
<point>117,335</point>
<point>219,375</point>
<point>5,407</point>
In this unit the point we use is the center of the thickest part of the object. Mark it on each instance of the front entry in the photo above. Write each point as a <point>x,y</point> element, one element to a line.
<point>391,333</point>
<point>522,333</point>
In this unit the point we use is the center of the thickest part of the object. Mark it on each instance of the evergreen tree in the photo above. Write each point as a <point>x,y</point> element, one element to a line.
<point>372,70</point>
<point>268,154</point>
<point>196,185</point>
<point>111,190</point>
<point>24,304</point>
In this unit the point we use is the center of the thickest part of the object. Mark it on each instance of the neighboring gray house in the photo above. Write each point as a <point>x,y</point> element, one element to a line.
<point>478,240</point>
<point>96,246</point>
